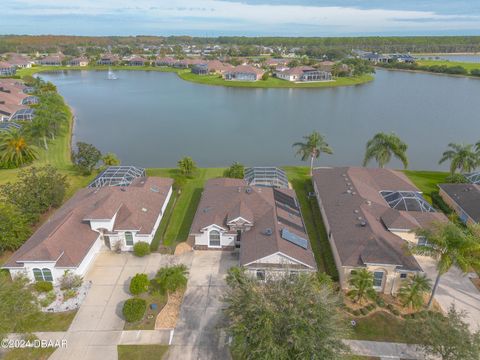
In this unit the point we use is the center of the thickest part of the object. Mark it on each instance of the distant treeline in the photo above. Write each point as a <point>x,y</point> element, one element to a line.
<point>418,44</point>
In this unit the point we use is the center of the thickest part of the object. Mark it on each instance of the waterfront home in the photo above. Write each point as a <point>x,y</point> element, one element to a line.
<point>19,60</point>
<point>370,216</point>
<point>269,176</point>
<point>200,69</point>
<point>79,61</point>
<point>304,73</point>
<point>7,69</point>
<point>274,63</point>
<point>108,59</point>
<point>464,199</point>
<point>110,217</point>
<point>188,63</point>
<point>14,101</point>
<point>263,224</point>
<point>165,61</point>
<point>244,73</point>
<point>51,60</point>
<point>137,61</point>
<point>403,58</point>
<point>325,66</point>
<point>9,125</point>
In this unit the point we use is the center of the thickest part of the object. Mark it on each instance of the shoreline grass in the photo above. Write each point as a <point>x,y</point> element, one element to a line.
<point>467,65</point>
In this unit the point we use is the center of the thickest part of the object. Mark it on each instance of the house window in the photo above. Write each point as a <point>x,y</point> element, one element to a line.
<point>42,274</point>
<point>422,241</point>
<point>214,238</point>
<point>261,275</point>
<point>377,279</point>
<point>403,275</point>
<point>129,238</point>
<point>293,275</point>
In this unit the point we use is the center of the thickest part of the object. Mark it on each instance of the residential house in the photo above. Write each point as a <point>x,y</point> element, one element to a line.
<point>51,60</point>
<point>111,217</point>
<point>370,216</point>
<point>79,61</point>
<point>263,224</point>
<point>165,61</point>
<point>7,69</point>
<point>304,73</point>
<point>464,199</point>
<point>244,73</point>
<point>108,59</point>
<point>274,63</point>
<point>137,61</point>
<point>14,101</point>
<point>200,69</point>
<point>19,60</point>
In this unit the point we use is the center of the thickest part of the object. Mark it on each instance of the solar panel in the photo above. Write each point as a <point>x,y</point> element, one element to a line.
<point>285,199</point>
<point>291,224</point>
<point>288,209</point>
<point>294,239</point>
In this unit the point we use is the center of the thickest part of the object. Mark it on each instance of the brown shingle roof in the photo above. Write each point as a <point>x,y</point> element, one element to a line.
<point>466,196</point>
<point>67,236</point>
<point>223,199</point>
<point>350,196</point>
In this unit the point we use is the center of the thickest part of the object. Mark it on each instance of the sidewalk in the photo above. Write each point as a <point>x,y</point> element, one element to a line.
<point>384,350</point>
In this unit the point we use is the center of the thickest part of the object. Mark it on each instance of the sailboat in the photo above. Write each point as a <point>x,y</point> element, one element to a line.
<point>111,75</point>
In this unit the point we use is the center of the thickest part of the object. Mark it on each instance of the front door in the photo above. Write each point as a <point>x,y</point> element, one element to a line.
<point>106,240</point>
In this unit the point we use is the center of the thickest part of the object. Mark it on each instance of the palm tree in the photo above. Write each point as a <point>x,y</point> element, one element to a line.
<point>361,285</point>
<point>187,166</point>
<point>411,293</point>
<point>462,157</point>
<point>383,146</point>
<point>14,150</point>
<point>450,246</point>
<point>314,145</point>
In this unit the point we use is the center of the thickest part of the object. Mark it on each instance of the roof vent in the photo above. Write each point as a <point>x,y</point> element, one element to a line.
<point>154,189</point>
<point>268,231</point>
<point>356,211</point>
<point>363,223</point>
<point>248,190</point>
<point>369,202</point>
<point>144,209</point>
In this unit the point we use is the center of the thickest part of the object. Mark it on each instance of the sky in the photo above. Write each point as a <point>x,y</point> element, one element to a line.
<point>241,17</point>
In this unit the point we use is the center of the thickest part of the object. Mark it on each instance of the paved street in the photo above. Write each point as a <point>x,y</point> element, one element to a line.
<point>97,328</point>
<point>455,288</point>
<point>198,334</point>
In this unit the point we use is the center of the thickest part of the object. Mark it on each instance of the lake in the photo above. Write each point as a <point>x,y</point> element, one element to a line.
<point>474,58</point>
<point>152,119</point>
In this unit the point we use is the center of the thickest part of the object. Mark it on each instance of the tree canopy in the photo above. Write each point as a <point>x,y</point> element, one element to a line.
<point>14,228</point>
<point>15,150</point>
<point>235,171</point>
<point>187,166</point>
<point>86,157</point>
<point>462,157</point>
<point>287,318</point>
<point>314,145</point>
<point>383,146</point>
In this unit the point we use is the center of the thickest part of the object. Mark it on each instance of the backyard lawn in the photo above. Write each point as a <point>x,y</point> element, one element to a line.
<point>427,181</point>
<point>141,352</point>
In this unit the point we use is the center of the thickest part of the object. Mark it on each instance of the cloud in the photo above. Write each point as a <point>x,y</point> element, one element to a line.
<point>218,16</point>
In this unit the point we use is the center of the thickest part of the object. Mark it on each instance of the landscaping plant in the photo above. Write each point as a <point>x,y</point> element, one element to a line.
<point>314,145</point>
<point>139,284</point>
<point>70,281</point>
<point>361,286</point>
<point>171,278</point>
<point>43,286</point>
<point>134,309</point>
<point>412,291</point>
<point>141,248</point>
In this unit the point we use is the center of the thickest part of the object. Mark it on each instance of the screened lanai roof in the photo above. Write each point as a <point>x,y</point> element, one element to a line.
<point>117,176</point>
<point>266,176</point>
<point>407,201</point>
<point>23,114</point>
<point>474,177</point>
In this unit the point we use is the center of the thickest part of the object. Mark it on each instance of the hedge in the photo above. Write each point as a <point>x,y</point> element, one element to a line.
<point>141,248</point>
<point>139,284</point>
<point>134,309</point>
<point>43,286</point>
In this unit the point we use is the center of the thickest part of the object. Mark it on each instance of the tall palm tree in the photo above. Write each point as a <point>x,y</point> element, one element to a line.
<point>383,146</point>
<point>450,246</point>
<point>361,285</point>
<point>462,157</point>
<point>314,145</point>
<point>411,293</point>
<point>14,150</point>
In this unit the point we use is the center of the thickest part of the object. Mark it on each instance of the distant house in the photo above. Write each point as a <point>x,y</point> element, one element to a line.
<point>304,73</point>
<point>464,199</point>
<point>19,60</point>
<point>51,60</point>
<point>7,69</point>
<point>244,73</point>
<point>137,61</point>
<point>109,217</point>
<point>80,61</point>
<point>326,66</point>
<point>375,58</point>
<point>403,58</point>
<point>370,216</point>
<point>274,63</point>
<point>200,69</point>
<point>264,225</point>
<point>165,61</point>
<point>211,67</point>
<point>108,59</point>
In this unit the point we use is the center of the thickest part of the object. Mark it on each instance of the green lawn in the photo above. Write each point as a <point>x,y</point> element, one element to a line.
<point>379,326</point>
<point>51,321</point>
<point>467,65</point>
<point>186,204</point>
<point>300,179</point>
<point>141,352</point>
<point>148,321</point>
<point>427,181</point>
<point>28,354</point>
<point>271,82</point>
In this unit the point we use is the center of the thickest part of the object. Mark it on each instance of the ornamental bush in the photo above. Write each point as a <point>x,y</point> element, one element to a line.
<point>139,284</point>
<point>43,286</point>
<point>70,281</point>
<point>134,309</point>
<point>141,249</point>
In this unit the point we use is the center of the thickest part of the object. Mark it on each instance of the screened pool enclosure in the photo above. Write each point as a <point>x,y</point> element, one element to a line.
<point>117,176</point>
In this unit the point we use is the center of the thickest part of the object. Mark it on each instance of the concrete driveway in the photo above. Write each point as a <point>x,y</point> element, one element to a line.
<point>454,288</point>
<point>97,328</point>
<point>199,333</point>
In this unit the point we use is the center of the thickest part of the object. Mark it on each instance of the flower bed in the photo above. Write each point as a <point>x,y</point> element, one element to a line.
<point>64,300</point>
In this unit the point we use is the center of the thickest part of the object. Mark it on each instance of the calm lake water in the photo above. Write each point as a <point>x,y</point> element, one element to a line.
<point>152,119</point>
<point>462,58</point>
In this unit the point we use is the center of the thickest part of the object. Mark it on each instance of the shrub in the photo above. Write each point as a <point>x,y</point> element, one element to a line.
<point>134,309</point>
<point>390,307</point>
<point>70,281</point>
<point>356,312</point>
<point>139,284</point>
<point>48,299</point>
<point>364,311</point>
<point>141,249</point>
<point>395,312</point>
<point>43,286</point>
<point>439,203</point>
<point>380,302</point>
<point>69,293</point>
<point>475,72</point>
<point>371,306</point>
<point>170,278</point>
<point>456,179</point>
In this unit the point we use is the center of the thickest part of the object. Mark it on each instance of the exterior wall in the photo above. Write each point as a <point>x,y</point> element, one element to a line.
<point>27,270</point>
<point>452,203</point>
<point>88,259</point>
<point>227,240</point>
<point>407,236</point>
<point>103,224</point>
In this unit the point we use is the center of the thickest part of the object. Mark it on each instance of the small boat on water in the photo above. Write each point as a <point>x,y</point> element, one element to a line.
<point>111,75</point>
